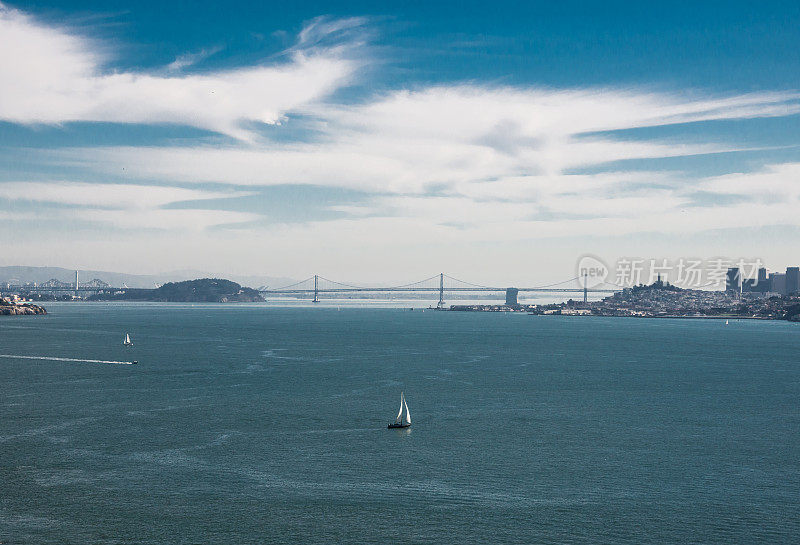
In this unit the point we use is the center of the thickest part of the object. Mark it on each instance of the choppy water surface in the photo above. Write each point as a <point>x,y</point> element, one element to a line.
<point>251,424</point>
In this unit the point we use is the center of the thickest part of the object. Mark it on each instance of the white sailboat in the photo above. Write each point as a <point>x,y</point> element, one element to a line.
<point>403,419</point>
<point>127,341</point>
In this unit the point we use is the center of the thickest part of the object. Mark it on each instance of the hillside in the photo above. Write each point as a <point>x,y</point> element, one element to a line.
<point>14,308</point>
<point>204,290</point>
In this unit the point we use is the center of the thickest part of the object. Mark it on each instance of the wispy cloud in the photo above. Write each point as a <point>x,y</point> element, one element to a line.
<point>118,196</point>
<point>486,163</point>
<point>190,59</point>
<point>124,206</point>
<point>328,32</point>
<point>52,75</point>
<point>410,142</point>
<point>168,220</point>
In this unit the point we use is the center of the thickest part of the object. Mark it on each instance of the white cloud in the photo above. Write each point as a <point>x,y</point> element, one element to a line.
<point>124,206</point>
<point>409,142</point>
<point>121,196</point>
<point>50,75</point>
<point>167,220</point>
<point>773,183</point>
<point>462,110</point>
<point>177,222</point>
<point>484,163</point>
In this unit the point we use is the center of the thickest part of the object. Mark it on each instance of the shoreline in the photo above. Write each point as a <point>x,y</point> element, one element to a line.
<point>721,318</point>
<point>24,309</point>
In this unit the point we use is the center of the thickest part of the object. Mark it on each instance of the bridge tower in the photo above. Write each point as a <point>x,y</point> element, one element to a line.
<point>585,288</point>
<point>316,289</point>
<point>511,297</point>
<point>440,304</point>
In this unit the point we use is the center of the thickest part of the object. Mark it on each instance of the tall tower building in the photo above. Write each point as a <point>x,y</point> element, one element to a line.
<point>777,283</point>
<point>733,281</point>
<point>792,279</point>
<point>763,282</point>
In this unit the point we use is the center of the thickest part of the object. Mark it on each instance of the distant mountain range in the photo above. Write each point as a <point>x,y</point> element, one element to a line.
<point>23,275</point>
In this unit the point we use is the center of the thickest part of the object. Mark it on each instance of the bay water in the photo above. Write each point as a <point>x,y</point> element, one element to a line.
<point>248,424</point>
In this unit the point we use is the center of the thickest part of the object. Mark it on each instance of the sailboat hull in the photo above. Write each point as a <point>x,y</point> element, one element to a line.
<point>394,425</point>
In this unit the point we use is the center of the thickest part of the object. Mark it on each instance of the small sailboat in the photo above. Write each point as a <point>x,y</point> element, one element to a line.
<point>127,341</point>
<point>726,322</point>
<point>403,419</point>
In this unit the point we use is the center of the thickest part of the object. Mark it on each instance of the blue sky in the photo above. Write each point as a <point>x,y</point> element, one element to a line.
<point>498,142</point>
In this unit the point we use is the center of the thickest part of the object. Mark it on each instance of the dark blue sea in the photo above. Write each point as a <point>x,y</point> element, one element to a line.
<point>251,424</point>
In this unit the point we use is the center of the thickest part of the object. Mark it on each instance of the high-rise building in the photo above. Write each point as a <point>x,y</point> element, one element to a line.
<point>749,286</point>
<point>733,281</point>
<point>777,283</point>
<point>763,281</point>
<point>792,279</point>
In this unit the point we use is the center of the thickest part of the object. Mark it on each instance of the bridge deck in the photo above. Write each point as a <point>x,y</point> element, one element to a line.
<point>433,290</point>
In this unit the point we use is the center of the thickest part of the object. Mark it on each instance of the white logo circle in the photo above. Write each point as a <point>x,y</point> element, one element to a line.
<point>592,271</point>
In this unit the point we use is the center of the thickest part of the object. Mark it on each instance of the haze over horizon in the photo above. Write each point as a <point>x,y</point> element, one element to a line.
<point>365,141</point>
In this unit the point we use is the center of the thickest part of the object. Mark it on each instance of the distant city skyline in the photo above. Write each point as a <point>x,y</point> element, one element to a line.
<point>368,141</point>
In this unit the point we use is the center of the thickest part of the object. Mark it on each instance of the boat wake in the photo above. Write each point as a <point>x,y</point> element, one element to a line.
<point>53,358</point>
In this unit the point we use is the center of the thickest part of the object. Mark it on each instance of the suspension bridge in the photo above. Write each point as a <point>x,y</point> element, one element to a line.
<point>316,285</point>
<point>440,283</point>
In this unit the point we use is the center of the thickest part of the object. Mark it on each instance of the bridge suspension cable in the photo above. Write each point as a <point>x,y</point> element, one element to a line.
<point>469,283</point>
<point>292,285</point>
<point>376,287</point>
<point>556,284</point>
<point>435,276</point>
<point>494,287</point>
<point>341,283</point>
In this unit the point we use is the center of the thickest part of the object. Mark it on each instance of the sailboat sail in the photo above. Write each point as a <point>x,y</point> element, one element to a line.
<point>127,341</point>
<point>400,413</point>
<point>403,419</point>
